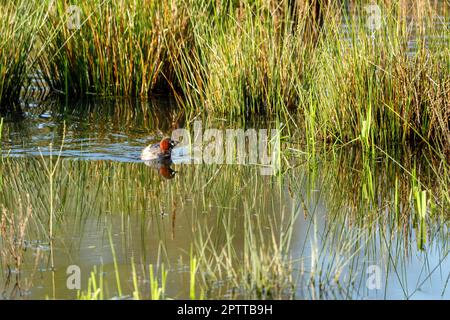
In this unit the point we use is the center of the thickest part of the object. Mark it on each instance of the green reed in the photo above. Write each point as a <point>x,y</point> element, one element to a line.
<point>20,23</point>
<point>251,58</point>
<point>244,59</point>
<point>115,48</point>
<point>157,291</point>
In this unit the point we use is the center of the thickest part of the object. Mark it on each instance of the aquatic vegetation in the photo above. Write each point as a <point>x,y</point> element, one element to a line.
<point>95,288</point>
<point>364,84</point>
<point>378,86</point>
<point>20,23</point>
<point>360,232</point>
<point>243,59</point>
<point>237,230</point>
<point>109,48</point>
<point>157,291</point>
<point>381,86</point>
<point>245,247</point>
<point>13,229</point>
<point>363,182</point>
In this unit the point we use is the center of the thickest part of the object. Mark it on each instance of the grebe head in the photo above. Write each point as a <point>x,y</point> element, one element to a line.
<point>167,144</point>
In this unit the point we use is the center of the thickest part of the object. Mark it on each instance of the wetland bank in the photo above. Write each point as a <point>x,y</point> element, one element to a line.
<point>357,208</point>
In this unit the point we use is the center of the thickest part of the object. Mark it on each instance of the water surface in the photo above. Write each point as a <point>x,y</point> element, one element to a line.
<point>315,230</point>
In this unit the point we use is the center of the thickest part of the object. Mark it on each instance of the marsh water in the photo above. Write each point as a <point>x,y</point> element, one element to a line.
<point>326,226</point>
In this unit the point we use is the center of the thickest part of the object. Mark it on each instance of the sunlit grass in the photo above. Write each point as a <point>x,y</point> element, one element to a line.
<point>385,87</point>
<point>116,48</point>
<point>20,24</point>
<point>390,86</point>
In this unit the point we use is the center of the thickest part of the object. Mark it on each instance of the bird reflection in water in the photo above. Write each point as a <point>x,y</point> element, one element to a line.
<point>163,166</point>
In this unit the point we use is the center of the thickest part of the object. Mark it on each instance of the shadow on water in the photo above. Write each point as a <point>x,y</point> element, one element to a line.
<point>331,225</point>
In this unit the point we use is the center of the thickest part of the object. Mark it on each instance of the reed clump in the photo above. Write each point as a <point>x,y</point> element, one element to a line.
<point>251,58</point>
<point>20,22</point>
<point>110,48</point>
<point>384,85</point>
<point>243,58</point>
<point>394,80</point>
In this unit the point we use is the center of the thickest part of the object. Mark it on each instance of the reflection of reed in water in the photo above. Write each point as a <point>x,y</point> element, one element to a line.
<point>15,240</point>
<point>240,225</point>
<point>372,218</point>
